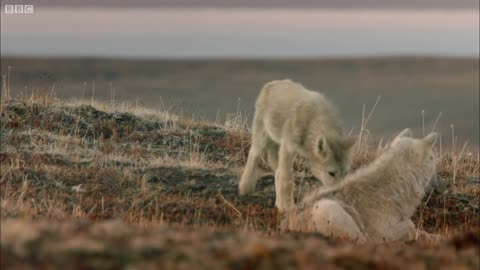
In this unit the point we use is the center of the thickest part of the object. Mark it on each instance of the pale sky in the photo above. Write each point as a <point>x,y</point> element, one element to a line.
<point>199,33</point>
<point>472,4</point>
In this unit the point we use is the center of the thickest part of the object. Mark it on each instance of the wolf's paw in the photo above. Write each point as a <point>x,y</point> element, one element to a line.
<point>421,235</point>
<point>284,206</point>
<point>246,186</point>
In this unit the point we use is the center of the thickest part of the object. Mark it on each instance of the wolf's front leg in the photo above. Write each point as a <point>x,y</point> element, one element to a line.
<point>283,179</point>
<point>248,179</point>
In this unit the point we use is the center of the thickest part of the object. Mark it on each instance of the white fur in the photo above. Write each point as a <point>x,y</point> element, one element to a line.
<point>376,202</point>
<point>291,120</point>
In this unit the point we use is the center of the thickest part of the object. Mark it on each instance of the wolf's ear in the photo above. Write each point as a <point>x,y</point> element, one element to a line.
<point>348,143</point>
<point>405,133</point>
<point>430,139</point>
<point>322,146</point>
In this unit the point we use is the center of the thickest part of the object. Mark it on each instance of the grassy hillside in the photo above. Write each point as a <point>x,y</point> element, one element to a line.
<point>107,186</point>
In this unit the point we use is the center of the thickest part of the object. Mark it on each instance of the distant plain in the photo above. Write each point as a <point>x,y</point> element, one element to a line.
<point>211,89</point>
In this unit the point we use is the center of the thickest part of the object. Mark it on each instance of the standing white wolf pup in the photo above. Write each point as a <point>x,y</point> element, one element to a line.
<point>376,202</point>
<point>291,120</point>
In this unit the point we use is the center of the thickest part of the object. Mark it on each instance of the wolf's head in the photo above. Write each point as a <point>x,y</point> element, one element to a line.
<point>417,153</point>
<point>332,158</point>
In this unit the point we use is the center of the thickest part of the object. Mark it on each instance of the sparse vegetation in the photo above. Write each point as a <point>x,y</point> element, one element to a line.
<point>99,186</point>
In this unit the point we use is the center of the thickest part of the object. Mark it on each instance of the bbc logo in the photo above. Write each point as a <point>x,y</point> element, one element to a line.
<point>19,9</point>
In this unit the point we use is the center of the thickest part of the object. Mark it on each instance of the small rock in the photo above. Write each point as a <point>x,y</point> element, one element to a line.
<point>475,203</point>
<point>441,185</point>
<point>150,178</point>
<point>59,184</point>
<point>473,181</point>
<point>78,189</point>
<point>191,183</point>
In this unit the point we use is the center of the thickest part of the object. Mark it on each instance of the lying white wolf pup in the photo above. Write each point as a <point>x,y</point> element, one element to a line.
<point>291,120</point>
<point>376,202</point>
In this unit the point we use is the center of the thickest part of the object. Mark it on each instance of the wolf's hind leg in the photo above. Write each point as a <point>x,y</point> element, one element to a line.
<point>406,231</point>
<point>259,140</point>
<point>330,218</point>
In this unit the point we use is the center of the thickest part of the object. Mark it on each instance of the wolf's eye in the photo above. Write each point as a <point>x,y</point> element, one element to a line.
<point>332,174</point>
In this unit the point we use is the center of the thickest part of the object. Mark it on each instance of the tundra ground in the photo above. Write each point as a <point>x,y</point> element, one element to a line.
<point>108,187</point>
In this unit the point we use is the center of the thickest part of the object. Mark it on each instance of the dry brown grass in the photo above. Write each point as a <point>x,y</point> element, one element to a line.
<point>66,164</point>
